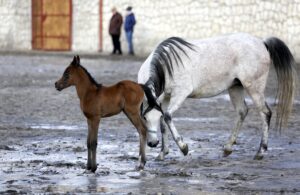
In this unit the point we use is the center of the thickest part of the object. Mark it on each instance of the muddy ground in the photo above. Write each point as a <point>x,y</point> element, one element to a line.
<point>43,136</point>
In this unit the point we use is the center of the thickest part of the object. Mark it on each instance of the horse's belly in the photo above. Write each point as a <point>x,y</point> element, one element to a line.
<point>210,90</point>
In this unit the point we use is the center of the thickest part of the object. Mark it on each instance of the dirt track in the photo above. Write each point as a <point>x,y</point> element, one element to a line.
<point>43,136</point>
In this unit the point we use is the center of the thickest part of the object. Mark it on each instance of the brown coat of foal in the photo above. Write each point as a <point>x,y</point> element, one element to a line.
<point>98,101</point>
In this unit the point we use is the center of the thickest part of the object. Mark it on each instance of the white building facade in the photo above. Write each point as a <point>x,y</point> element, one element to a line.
<point>157,20</point>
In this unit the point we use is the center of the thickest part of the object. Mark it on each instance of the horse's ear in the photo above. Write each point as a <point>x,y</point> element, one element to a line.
<point>76,61</point>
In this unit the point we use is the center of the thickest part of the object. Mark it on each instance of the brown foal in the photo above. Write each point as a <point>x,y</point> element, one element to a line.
<point>98,101</point>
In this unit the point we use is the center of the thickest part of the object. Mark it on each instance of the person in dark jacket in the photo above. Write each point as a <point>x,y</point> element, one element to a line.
<point>115,30</point>
<point>128,26</point>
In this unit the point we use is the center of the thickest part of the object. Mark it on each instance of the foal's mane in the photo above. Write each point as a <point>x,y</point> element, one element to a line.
<point>93,81</point>
<point>165,55</point>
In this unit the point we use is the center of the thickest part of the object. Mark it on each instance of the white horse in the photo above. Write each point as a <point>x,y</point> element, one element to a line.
<point>178,69</point>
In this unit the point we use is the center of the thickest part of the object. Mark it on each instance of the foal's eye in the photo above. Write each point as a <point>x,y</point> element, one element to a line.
<point>66,74</point>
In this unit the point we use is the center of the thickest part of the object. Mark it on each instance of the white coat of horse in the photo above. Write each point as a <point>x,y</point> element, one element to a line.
<point>239,63</point>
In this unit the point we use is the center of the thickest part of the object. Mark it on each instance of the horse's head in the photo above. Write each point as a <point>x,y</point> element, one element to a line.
<point>152,121</point>
<point>69,76</point>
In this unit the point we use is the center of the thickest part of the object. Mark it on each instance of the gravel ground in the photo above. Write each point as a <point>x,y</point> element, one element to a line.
<point>43,135</point>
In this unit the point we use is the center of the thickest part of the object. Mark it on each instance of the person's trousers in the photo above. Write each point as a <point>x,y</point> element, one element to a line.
<point>116,43</point>
<point>129,41</point>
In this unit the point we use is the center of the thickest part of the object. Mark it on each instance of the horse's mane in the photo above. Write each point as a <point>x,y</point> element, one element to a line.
<point>163,55</point>
<point>93,81</point>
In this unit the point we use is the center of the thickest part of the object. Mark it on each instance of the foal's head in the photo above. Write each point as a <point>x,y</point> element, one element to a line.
<point>70,76</point>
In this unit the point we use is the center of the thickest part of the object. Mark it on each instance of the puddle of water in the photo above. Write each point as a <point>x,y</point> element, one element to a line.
<point>213,119</point>
<point>56,127</point>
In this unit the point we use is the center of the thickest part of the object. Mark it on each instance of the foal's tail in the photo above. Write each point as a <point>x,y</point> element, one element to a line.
<point>152,103</point>
<point>284,64</point>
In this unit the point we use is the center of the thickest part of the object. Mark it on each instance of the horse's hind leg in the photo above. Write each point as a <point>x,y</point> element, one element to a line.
<point>265,114</point>
<point>257,95</point>
<point>136,120</point>
<point>237,97</point>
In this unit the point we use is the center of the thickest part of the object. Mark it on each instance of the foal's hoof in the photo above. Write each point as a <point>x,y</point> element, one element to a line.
<point>88,167</point>
<point>93,169</point>
<point>185,149</point>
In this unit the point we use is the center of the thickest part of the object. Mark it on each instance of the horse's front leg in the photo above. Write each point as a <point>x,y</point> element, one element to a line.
<point>175,102</point>
<point>92,140</point>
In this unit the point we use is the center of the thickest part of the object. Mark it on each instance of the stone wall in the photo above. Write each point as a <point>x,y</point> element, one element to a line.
<point>15,24</point>
<point>196,19</point>
<point>85,28</point>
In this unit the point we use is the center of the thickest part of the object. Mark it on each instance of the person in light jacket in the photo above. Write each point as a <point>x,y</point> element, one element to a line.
<point>128,26</point>
<point>115,25</point>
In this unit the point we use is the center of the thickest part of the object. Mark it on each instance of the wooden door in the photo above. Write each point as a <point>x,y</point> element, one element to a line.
<point>51,24</point>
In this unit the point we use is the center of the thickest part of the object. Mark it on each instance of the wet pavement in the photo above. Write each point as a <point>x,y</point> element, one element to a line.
<point>43,136</point>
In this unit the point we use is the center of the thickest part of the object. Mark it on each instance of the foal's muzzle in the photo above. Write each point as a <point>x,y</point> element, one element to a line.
<point>58,87</point>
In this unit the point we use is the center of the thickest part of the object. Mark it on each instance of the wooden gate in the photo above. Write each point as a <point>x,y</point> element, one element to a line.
<point>51,24</point>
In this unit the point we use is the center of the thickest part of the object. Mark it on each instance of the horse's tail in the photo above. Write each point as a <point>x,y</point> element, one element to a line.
<point>152,103</point>
<point>284,64</point>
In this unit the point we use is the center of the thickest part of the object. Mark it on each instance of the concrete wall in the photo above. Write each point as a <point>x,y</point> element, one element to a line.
<point>15,24</point>
<point>157,20</point>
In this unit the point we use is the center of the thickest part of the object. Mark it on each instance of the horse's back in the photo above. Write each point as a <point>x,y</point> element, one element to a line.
<point>230,49</point>
<point>218,61</point>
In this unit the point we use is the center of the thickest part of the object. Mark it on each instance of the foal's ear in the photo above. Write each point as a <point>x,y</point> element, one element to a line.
<point>76,61</point>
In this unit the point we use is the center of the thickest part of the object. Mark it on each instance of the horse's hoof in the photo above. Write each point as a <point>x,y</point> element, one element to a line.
<point>185,149</point>
<point>88,167</point>
<point>139,167</point>
<point>160,157</point>
<point>226,152</point>
<point>258,157</point>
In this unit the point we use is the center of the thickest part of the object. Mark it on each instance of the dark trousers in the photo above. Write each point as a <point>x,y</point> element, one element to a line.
<point>116,43</point>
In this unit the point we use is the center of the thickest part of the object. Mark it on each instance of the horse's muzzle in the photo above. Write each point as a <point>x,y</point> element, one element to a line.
<point>153,144</point>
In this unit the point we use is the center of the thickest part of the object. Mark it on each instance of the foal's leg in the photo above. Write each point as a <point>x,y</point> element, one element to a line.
<point>136,120</point>
<point>92,141</point>
<point>164,136</point>
<point>89,158</point>
<point>265,114</point>
<point>237,97</point>
<point>175,102</point>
